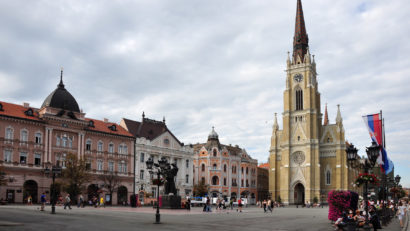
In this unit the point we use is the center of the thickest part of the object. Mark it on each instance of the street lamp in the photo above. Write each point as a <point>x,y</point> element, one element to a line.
<point>161,167</point>
<point>368,163</point>
<point>55,170</point>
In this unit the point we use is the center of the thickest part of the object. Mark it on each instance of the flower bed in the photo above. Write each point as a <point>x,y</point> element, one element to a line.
<point>340,201</point>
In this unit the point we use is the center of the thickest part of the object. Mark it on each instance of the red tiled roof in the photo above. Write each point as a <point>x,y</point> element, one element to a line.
<point>102,126</point>
<point>265,165</point>
<point>17,111</point>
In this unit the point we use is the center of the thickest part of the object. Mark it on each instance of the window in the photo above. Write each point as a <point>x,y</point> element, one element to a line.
<point>203,167</point>
<point>111,166</point>
<point>1,107</point>
<point>142,157</point>
<point>37,138</point>
<point>9,133</point>
<point>111,148</point>
<point>224,167</point>
<point>23,157</point>
<point>246,170</point>
<point>247,183</point>
<point>88,165</point>
<point>58,141</point>
<point>123,149</point>
<point>99,165</point>
<point>215,180</point>
<point>234,182</point>
<point>214,152</point>
<point>299,99</point>
<point>328,177</point>
<point>88,145</point>
<point>37,159</point>
<point>100,146</point>
<point>122,167</point>
<point>214,167</point>
<point>242,183</point>
<point>187,178</point>
<point>65,141</point>
<point>166,141</point>
<point>61,161</point>
<point>233,169</point>
<point>24,136</point>
<point>141,174</point>
<point>224,181</point>
<point>154,192</point>
<point>187,163</point>
<point>203,180</point>
<point>8,156</point>
<point>70,142</point>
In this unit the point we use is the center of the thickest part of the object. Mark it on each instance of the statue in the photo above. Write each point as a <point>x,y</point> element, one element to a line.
<point>170,174</point>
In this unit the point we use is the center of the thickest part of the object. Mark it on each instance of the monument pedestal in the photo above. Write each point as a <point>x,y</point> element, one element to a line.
<point>171,202</point>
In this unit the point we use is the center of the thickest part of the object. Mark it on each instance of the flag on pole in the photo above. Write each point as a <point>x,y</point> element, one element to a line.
<point>375,126</point>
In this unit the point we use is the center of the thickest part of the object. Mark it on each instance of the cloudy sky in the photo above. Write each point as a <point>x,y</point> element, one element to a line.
<point>212,63</point>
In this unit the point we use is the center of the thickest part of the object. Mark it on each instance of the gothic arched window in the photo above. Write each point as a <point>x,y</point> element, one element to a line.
<point>328,177</point>
<point>299,99</point>
<point>203,167</point>
<point>215,180</point>
<point>214,152</point>
<point>225,168</point>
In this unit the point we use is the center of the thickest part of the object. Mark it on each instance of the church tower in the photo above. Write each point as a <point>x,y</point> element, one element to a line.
<point>294,153</point>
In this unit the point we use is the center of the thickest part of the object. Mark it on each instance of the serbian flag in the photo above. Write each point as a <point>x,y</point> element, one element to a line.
<point>375,127</point>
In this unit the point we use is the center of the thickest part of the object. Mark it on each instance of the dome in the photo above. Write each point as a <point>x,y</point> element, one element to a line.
<point>61,98</point>
<point>213,134</point>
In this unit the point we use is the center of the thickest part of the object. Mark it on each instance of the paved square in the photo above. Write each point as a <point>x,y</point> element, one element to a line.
<point>126,218</point>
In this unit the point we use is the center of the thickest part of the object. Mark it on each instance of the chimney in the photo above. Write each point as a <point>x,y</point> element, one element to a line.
<point>26,105</point>
<point>105,120</point>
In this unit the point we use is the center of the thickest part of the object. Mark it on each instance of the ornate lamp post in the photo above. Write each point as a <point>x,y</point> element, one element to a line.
<point>161,166</point>
<point>368,163</point>
<point>55,170</point>
<point>396,181</point>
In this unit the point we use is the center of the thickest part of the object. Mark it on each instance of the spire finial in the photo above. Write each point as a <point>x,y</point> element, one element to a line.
<point>300,39</point>
<point>275,123</point>
<point>61,84</point>
<point>339,115</point>
<point>163,119</point>
<point>143,115</point>
<point>326,120</point>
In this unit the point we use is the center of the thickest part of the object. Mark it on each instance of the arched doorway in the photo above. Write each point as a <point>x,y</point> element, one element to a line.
<point>30,188</point>
<point>233,195</point>
<point>92,191</point>
<point>122,195</point>
<point>299,194</point>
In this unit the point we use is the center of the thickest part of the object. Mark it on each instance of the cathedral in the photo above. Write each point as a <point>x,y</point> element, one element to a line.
<point>307,156</point>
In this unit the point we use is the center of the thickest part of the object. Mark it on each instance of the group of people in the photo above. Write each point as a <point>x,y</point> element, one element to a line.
<point>358,218</point>
<point>222,204</point>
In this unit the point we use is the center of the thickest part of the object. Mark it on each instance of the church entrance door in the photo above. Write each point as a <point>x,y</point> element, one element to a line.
<point>299,196</point>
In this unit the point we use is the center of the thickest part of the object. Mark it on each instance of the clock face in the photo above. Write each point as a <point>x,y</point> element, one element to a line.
<point>298,77</point>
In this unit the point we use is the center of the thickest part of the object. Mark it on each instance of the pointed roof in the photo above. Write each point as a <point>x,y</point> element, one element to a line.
<point>213,134</point>
<point>339,115</point>
<point>300,39</point>
<point>326,120</point>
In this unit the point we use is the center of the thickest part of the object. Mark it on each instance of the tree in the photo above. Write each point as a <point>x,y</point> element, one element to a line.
<point>111,182</point>
<point>200,189</point>
<point>74,176</point>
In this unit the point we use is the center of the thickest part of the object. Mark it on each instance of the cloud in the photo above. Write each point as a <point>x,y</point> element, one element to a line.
<point>211,63</point>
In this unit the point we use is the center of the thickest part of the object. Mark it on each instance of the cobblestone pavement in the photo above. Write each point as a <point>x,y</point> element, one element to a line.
<point>126,218</point>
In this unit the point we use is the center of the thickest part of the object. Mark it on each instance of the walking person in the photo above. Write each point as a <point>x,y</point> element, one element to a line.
<point>80,201</point>
<point>264,206</point>
<point>43,201</point>
<point>269,205</point>
<point>240,205</point>
<point>401,213</point>
<point>231,203</point>
<point>67,201</point>
<point>102,202</point>
<point>208,205</point>
<point>29,200</point>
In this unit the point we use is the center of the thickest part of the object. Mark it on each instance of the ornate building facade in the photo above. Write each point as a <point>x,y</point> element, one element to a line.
<point>228,170</point>
<point>32,139</point>
<point>307,157</point>
<point>154,139</point>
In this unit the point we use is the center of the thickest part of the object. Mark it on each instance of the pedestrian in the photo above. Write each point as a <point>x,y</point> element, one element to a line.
<point>29,199</point>
<point>269,205</point>
<point>240,205</point>
<point>67,201</point>
<point>264,206</point>
<point>43,201</point>
<point>231,203</point>
<point>208,204</point>
<point>102,202</point>
<point>188,204</point>
<point>401,213</point>
<point>80,201</point>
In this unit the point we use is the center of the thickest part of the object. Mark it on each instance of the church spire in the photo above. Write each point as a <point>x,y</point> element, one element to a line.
<point>275,124</point>
<point>300,39</point>
<point>61,84</point>
<point>326,120</point>
<point>339,119</point>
